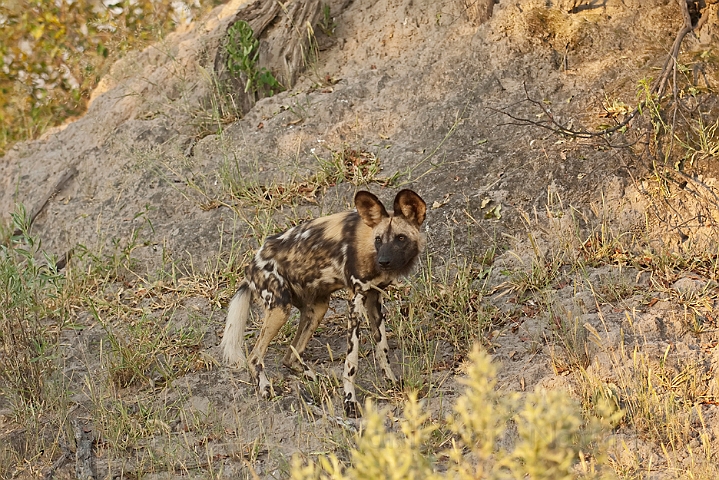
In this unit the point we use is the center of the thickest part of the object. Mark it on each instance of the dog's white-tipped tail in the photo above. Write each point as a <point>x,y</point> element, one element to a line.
<point>237,314</point>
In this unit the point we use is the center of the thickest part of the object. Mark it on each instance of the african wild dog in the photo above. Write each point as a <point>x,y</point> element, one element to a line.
<point>363,250</point>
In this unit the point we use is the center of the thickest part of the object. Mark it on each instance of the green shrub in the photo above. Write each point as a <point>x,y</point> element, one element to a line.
<point>552,439</point>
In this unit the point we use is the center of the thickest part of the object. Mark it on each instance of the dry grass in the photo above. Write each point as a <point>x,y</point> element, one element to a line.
<point>149,344</point>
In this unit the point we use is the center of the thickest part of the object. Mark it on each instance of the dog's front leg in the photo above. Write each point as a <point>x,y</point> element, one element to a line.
<point>356,312</point>
<point>373,305</point>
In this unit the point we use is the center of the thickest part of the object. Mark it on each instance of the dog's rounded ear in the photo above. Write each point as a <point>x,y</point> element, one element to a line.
<point>411,206</point>
<point>370,209</point>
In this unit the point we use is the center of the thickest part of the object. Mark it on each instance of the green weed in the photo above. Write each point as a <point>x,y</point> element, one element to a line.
<point>542,271</point>
<point>242,56</point>
<point>327,23</point>
<point>150,351</point>
<point>572,343</point>
<point>357,167</point>
<point>30,317</point>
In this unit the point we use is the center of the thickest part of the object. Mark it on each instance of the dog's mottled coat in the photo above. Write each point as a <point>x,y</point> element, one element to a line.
<point>363,250</point>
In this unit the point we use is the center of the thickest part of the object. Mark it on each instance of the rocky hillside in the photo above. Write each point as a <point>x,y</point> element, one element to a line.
<point>575,246</point>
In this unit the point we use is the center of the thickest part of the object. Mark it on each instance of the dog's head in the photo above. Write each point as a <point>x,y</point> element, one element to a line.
<point>397,237</point>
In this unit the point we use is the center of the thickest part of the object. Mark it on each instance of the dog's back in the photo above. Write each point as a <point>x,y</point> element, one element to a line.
<point>311,258</point>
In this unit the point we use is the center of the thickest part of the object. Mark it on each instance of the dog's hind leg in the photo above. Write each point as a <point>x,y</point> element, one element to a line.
<point>310,317</point>
<point>275,318</point>
<point>373,305</point>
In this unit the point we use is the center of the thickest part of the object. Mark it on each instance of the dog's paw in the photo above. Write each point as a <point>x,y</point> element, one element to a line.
<point>309,374</point>
<point>264,387</point>
<point>396,385</point>
<point>352,409</point>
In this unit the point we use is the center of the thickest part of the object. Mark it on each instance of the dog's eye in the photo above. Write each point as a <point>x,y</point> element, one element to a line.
<point>378,240</point>
<point>401,238</point>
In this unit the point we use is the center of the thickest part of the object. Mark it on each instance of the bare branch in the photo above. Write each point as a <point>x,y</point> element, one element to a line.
<point>557,127</point>
<point>670,67</point>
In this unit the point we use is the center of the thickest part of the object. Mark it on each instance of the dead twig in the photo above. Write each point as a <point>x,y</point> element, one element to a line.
<point>557,127</point>
<point>674,52</point>
<point>59,463</point>
<point>40,206</point>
